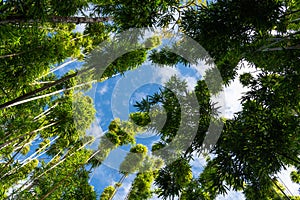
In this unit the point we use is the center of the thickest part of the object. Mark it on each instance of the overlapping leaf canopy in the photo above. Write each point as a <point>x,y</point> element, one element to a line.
<point>44,118</point>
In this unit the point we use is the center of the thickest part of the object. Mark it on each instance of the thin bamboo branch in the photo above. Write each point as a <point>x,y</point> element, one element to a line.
<point>62,65</point>
<point>32,155</point>
<point>13,157</point>
<point>30,94</point>
<point>55,19</point>
<point>25,134</point>
<point>45,95</point>
<point>52,167</point>
<point>117,186</point>
<point>41,82</point>
<point>286,196</point>
<point>45,112</point>
<point>65,178</point>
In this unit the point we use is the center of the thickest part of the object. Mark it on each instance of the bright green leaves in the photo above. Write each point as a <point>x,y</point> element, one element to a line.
<point>126,62</point>
<point>73,115</point>
<point>141,186</point>
<point>104,148</point>
<point>133,162</point>
<point>140,118</point>
<point>29,61</point>
<point>119,133</point>
<point>134,159</point>
<point>107,193</point>
<point>25,149</point>
<point>62,117</point>
<point>65,179</point>
<point>152,42</point>
<point>116,57</point>
<point>16,173</point>
<point>97,33</point>
<point>270,190</point>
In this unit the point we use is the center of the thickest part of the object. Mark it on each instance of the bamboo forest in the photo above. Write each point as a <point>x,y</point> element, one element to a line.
<point>149,99</point>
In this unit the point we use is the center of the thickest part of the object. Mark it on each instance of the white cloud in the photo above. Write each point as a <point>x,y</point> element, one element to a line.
<point>235,91</point>
<point>201,67</point>
<point>79,28</point>
<point>103,89</point>
<point>191,82</point>
<point>96,131</point>
<point>163,74</point>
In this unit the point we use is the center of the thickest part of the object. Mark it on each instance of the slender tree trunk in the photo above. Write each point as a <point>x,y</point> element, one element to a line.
<point>25,134</point>
<point>286,196</point>
<point>36,177</point>
<point>13,54</point>
<point>42,82</point>
<point>44,113</point>
<point>49,94</point>
<point>32,179</point>
<point>65,178</point>
<point>13,157</point>
<point>45,87</point>
<point>20,53</point>
<point>117,186</point>
<point>62,65</point>
<point>31,157</point>
<point>56,19</point>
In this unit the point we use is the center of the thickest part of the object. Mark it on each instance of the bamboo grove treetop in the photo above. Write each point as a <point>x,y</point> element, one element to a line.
<point>45,115</point>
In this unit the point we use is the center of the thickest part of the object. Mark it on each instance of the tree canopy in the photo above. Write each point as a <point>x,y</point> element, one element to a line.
<point>45,113</point>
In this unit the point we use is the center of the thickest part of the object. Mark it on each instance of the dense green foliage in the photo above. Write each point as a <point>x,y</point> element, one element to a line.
<point>42,113</point>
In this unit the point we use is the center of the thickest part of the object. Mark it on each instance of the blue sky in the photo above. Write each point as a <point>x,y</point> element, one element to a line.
<point>115,98</point>
<point>111,100</point>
